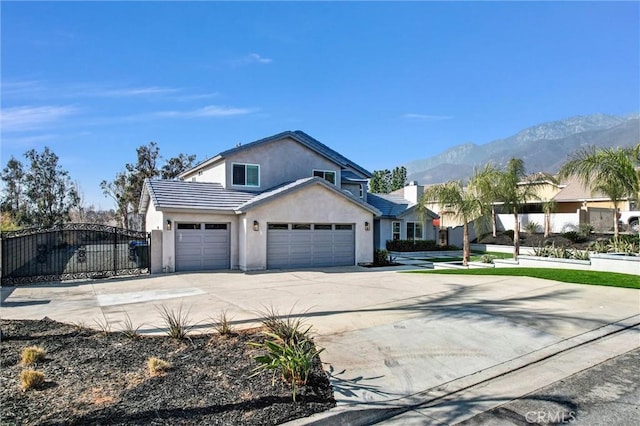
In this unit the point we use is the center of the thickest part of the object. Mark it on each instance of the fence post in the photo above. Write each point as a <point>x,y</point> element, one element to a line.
<point>115,252</point>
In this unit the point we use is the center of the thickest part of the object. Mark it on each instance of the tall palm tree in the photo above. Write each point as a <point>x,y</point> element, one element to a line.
<point>611,171</point>
<point>514,192</point>
<point>465,204</point>
<point>548,207</point>
<point>485,185</point>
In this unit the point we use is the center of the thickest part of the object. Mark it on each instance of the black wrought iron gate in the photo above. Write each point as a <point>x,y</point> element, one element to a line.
<point>75,250</point>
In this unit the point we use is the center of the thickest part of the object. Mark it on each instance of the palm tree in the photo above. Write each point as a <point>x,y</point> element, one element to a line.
<point>548,207</point>
<point>611,171</point>
<point>515,192</point>
<point>485,185</point>
<point>466,205</point>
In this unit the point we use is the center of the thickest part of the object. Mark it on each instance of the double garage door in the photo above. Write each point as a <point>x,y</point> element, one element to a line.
<point>202,246</point>
<point>310,245</point>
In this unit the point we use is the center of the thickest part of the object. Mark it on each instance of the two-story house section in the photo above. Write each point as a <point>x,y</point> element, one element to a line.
<point>286,201</point>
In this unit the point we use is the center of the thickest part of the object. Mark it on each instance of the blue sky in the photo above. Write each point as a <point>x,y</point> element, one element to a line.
<point>382,83</point>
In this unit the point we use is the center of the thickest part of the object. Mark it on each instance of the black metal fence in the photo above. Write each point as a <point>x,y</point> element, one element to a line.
<point>71,251</point>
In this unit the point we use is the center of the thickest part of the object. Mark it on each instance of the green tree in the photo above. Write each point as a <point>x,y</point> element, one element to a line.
<point>380,182</point>
<point>548,207</point>
<point>464,202</point>
<point>515,191</point>
<point>126,188</point>
<point>485,182</point>
<point>50,190</point>
<point>176,165</point>
<point>117,189</point>
<point>13,201</point>
<point>611,171</point>
<point>398,178</point>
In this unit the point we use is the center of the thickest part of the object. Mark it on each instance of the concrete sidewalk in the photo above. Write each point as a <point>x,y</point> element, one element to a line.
<point>391,339</point>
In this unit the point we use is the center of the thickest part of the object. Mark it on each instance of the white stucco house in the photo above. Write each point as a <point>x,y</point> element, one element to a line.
<point>285,201</point>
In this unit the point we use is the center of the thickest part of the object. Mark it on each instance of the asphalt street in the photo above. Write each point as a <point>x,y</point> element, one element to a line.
<point>606,394</point>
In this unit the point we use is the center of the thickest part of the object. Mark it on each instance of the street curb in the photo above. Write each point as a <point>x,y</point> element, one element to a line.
<point>368,413</point>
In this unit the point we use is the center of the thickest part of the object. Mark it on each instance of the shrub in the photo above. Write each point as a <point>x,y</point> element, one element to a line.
<point>532,228</point>
<point>128,329</point>
<point>487,258</point>
<point>412,245</point>
<point>627,244</point>
<point>293,360</point>
<point>178,323</point>
<point>574,236</point>
<point>222,325</point>
<point>381,257</point>
<point>157,366</point>
<point>103,325</point>
<point>32,355</point>
<point>585,229</point>
<point>31,379</point>
<point>290,328</point>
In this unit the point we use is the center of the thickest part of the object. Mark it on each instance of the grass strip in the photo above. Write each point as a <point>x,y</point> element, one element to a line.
<point>611,279</point>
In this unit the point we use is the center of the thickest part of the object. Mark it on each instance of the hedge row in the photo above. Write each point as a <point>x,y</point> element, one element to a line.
<point>416,245</point>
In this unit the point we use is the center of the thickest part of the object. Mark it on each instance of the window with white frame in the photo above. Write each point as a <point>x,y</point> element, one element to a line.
<point>414,231</point>
<point>327,175</point>
<point>395,230</point>
<point>246,175</point>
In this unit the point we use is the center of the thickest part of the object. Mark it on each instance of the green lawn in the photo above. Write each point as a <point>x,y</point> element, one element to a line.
<point>476,256</point>
<point>612,279</point>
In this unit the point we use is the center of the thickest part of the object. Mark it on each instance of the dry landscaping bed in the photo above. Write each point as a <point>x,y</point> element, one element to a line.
<point>92,377</point>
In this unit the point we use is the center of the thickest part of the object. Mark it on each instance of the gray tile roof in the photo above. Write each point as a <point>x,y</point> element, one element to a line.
<point>172,194</point>
<point>292,186</point>
<point>390,205</point>
<point>194,195</point>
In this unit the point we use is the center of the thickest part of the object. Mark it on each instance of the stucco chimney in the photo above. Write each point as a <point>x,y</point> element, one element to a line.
<point>413,191</point>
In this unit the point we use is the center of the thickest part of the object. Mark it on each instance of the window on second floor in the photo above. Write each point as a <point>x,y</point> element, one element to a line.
<point>246,175</point>
<point>414,231</point>
<point>327,175</point>
<point>395,230</point>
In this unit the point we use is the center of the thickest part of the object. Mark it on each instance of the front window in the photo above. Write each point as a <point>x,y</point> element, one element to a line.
<point>327,175</point>
<point>414,231</point>
<point>395,230</point>
<point>246,175</point>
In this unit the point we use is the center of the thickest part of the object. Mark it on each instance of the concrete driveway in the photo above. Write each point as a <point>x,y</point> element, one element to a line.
<point>394,341</point>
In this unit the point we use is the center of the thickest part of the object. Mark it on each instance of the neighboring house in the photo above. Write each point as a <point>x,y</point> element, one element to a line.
<point>400,219</point>
<point>286,201</point>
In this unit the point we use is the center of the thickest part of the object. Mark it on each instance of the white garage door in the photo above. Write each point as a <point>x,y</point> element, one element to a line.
<point>304,245</point>
<point>202,246</point>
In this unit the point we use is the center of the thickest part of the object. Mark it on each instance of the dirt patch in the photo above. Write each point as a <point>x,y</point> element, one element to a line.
<point>102,378</point>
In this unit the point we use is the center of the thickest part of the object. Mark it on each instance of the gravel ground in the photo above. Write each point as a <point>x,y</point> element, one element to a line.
<point>93,377</point>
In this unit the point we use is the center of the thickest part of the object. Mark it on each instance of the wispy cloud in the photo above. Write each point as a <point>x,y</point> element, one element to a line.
<point>426,117</point>
<point>23,118</point>
<point>134,91</point>
<point>208,111</point>
<point>28,141</point>
<point>252,58</point>
<point>21,88</point>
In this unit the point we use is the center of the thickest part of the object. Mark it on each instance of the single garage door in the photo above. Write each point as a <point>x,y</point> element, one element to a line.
<point>202,246</point>
<point>304,245</point>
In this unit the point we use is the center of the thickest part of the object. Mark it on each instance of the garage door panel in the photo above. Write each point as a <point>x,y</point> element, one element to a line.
<point>202,249</point>
<point>310,248</point>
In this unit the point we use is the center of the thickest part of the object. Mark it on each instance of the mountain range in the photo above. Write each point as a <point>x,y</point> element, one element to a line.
<point>544,147</point>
